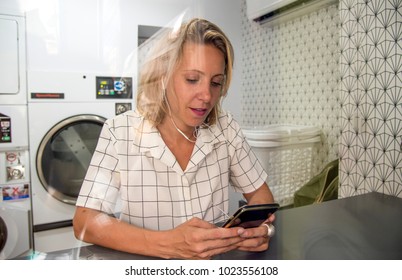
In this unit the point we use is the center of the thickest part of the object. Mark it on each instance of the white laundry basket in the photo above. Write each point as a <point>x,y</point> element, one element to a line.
<point>286,153</point>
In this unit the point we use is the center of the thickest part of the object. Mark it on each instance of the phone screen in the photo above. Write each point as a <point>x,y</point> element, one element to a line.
<point>251,215</point>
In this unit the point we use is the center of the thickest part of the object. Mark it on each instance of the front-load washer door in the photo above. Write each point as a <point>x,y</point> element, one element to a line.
<point>64,155</point>
<point>3,234</point>
<point>14,231</point>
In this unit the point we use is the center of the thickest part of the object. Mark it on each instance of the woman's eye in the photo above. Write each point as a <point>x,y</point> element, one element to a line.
<point>216,84</point>
<point>217,81</point>
<point>192,80</point>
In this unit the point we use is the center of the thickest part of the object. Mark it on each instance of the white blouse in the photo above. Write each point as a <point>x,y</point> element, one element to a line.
<point>132,164</point>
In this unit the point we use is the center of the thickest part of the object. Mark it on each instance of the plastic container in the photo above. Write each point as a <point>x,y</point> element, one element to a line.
<point>286,153</point>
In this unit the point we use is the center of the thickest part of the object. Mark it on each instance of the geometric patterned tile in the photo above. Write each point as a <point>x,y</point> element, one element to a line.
<point>338,68</point>
<point>370,94</point>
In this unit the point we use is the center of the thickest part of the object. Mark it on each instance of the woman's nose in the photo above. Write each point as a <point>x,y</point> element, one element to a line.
<point>205,92</point>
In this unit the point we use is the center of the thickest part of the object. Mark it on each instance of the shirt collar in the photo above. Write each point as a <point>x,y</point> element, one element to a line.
<point>207,138</point>
<point>147,139</point>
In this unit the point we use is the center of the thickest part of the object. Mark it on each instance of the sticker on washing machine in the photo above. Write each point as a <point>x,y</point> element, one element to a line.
<point>15,168</point>
<point>16,172</point>
<point>15,192</point>
<point>120,108</point>
<point>5,129</point>
<point>47,95</point>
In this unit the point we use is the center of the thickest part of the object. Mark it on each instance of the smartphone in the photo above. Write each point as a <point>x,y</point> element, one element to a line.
<point>251,215</point>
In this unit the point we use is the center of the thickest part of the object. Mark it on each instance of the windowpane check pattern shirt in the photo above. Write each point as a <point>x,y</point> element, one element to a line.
<point>133,167</point>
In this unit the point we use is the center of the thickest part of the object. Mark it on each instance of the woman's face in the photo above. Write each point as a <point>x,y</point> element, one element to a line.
<point>197,84</point>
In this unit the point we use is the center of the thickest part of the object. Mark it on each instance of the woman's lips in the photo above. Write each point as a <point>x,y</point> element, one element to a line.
<point>199,112</point>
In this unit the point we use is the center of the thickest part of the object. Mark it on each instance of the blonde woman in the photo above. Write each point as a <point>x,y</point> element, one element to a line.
<point>172,160</point>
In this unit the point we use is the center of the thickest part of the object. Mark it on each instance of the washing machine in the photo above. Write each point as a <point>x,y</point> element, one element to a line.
<point>12,60</point>
<point>66,113</point>
<point>15,203</point>
<point>15,238</point>
<point>15,198</point>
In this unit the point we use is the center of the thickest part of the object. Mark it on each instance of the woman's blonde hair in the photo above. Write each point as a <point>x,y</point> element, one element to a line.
<point>166,55</point>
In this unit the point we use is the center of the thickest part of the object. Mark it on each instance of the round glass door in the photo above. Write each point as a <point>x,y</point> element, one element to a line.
<point>65,153</point>
<point>3,234</point>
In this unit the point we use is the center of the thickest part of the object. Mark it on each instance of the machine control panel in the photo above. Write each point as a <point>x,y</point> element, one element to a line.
<point>5,129</point>
<point>114,87</point>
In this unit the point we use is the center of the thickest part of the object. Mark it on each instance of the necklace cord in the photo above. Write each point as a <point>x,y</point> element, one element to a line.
<point>195,132</point>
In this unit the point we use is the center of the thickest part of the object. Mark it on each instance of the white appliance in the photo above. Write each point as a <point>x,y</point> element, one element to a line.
<point>12,60</point>
<point>270,12</point>
<point>66,112</point>
<point>15,237</point>
<point>15,204</point>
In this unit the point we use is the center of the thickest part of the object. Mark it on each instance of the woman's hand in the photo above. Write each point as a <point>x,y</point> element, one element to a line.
<point>256,239</point>
<point>194,239</point>
<point>197,239</point>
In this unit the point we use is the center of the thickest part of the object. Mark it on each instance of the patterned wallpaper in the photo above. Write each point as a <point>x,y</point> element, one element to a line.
<point>291,76</point>
<point>338,68</point>
<point>371,97</point>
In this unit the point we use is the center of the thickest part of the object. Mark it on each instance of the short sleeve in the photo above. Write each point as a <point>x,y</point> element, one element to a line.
<point>246,172</point>
<point>101,184</point>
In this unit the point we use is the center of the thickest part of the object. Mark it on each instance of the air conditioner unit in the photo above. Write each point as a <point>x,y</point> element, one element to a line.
<point>271,12</point>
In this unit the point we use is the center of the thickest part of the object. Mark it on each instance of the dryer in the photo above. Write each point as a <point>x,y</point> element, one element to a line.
<point>66,116</point>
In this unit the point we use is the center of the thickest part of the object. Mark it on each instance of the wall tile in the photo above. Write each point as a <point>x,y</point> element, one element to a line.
<point>370,92</point>
<point>291,76</point>
<point>339,69</point>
